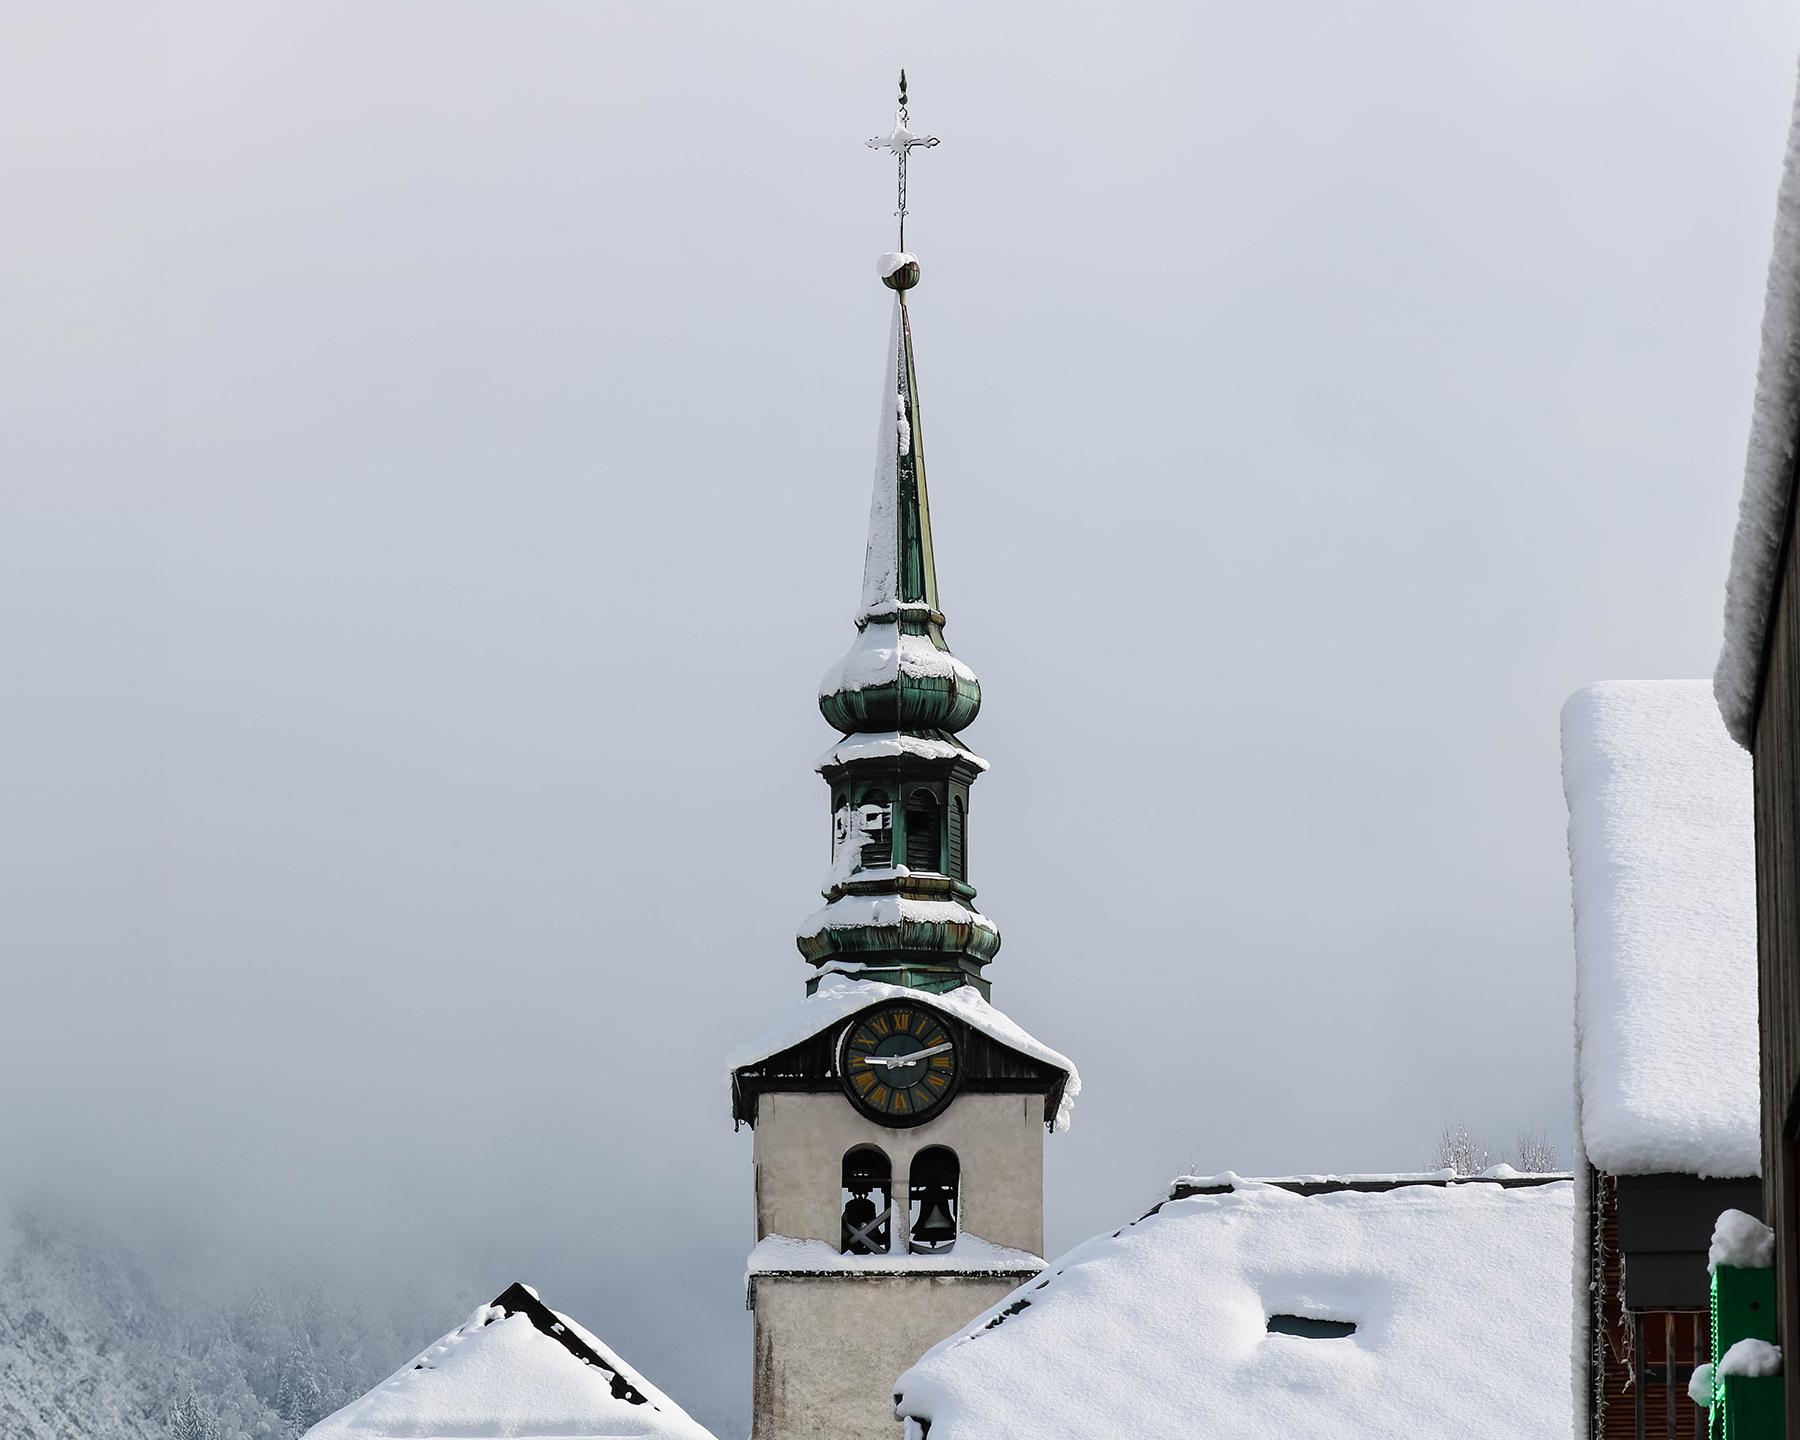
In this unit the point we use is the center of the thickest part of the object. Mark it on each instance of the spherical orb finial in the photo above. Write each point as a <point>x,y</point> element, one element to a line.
<point>898,272</point>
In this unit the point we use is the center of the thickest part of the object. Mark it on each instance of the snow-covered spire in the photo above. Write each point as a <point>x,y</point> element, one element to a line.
<point>900,908</point>
<point>899,673</point>
<point>899,568</point>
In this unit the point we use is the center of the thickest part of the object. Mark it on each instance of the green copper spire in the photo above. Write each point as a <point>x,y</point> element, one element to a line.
<point>899,672</point>
<point>899,905</point>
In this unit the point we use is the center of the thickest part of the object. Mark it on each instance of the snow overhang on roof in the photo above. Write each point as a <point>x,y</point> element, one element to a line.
<point>839,997</point>
<point>513,1368</point>
<point>885,744</point>
<point>1662,864</point>
<point>1768,467</point>
<point>1425,1308</point>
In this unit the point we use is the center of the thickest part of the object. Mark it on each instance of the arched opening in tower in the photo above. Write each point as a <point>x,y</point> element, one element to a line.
<point>934,1199</point>
<point>868,1200</point>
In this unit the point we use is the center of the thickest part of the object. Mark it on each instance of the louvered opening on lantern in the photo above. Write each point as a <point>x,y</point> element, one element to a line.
<point>959,868</point>
<point>924,831</point>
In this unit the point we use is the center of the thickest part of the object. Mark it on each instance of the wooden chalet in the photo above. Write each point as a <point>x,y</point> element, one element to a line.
<point>1666,1114</point>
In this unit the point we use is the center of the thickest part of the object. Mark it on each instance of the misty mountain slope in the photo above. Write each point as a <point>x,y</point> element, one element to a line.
<point>100,1343</point>
<point>61,1375</point>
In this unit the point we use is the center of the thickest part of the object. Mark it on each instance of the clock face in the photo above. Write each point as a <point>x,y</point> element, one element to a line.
<point>900,1063</point>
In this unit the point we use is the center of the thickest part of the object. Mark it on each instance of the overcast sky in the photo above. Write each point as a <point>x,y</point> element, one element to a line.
<point>434,460</point>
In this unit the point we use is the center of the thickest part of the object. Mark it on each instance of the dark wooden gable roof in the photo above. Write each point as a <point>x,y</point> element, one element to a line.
<point>987,1065</point>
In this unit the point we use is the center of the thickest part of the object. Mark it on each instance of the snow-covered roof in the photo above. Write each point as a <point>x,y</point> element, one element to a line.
<point>1661,858</point>
<point>893,742</point>
<point>1459,1296</point>
<point>509,1371</point>
<point>839,997</point>
<point>863,912</point>
<point>785,1255</point>
<point>1768,467</point>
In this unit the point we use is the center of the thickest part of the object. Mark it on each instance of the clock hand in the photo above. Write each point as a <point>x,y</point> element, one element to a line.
<point>890,1062</point>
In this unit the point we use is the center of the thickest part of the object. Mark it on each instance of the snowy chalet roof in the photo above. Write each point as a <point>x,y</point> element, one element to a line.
<point>838,997</point>
<point>1662,864</point>
<point>1213,1315</point>
<point>513,1369</point>
<point>1768,467</point>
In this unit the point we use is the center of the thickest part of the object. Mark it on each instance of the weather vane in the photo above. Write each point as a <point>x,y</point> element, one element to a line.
<point>900,142</point>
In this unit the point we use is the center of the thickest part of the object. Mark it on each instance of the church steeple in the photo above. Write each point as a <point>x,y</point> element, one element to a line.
<point>900,907</point>
<point>896,1112</point>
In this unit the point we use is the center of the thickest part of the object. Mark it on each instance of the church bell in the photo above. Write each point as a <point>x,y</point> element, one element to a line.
<point>936,1225</point>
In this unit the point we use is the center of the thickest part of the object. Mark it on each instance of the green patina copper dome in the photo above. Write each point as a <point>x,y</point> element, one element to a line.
<point>899,676</point>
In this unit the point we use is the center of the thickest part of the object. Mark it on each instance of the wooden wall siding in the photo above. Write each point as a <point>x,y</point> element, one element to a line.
<point>1777,754</point>
<point>1645,1358</point>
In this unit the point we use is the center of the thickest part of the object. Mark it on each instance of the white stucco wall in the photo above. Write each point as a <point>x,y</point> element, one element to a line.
<point>829,1348</point>
<point>999,1140</point>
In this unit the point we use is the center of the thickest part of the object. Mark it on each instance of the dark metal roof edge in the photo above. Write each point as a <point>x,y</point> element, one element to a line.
<point>984,1273</point>
<point>1368,1185</point>
<point>517,1300</point>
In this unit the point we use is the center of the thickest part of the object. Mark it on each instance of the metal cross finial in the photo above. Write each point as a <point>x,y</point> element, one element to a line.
<point>900,141</point>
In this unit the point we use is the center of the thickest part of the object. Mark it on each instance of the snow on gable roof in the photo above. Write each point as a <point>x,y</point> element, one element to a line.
<point>1662,864</point>
<point>1224,1314</point>
<point>839,997</point>
<point>514,1368</point>
<point>1768,467</point>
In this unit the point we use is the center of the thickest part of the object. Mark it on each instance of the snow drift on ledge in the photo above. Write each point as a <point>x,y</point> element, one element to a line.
<point>839,997</point>
<point>1662,866</point>
<point>1768,467</point>
<point>497,1375</point>
<point>1459,1295</point>
<point>1741,1240</point>
<point>972,1255</point>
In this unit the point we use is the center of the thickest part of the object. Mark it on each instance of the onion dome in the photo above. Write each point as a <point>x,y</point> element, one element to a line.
<point>899,673</point>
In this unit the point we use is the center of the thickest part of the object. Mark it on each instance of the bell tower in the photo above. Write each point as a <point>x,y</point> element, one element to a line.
<point>899,1119</point>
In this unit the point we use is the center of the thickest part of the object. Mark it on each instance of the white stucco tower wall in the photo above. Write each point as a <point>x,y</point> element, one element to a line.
<point>831,1340</point>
